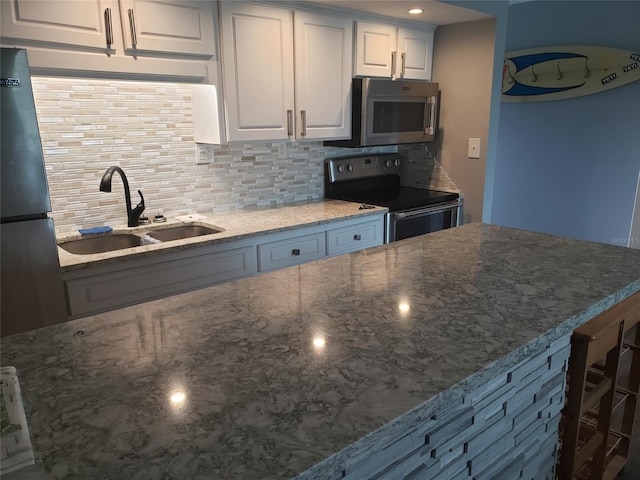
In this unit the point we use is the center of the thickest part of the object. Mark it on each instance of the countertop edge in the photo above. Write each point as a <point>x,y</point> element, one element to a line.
<point>334,465</point>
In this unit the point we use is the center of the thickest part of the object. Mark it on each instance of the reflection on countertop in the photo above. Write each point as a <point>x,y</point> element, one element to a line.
<point>306,367</point>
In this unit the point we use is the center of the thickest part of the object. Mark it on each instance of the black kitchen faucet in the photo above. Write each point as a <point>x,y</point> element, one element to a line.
<point>133,216</point>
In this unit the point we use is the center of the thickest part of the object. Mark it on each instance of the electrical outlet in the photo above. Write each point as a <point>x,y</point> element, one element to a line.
<point>474,148</point>
<point>204,153</point>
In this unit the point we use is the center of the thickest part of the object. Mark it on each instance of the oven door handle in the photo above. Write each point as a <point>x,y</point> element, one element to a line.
<point>427,211</point>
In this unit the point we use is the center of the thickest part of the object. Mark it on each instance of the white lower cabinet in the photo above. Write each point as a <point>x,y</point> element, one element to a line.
<point>102,288</point>
<point>139,281</point>
<point>290,251</point>
<point>355,237</point>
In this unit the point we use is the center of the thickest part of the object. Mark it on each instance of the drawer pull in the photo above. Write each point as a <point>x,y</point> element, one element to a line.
<point>295,252</point>
<point>357,236</point>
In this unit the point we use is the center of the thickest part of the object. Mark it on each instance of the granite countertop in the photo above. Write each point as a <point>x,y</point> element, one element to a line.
<point>306,367</point>
<point>233,225</point>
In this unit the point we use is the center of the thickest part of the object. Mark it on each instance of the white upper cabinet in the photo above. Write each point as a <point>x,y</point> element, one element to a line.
<point>376,49</point>
<point>388,51</point>
<point>79,23</point>
<point>257,56</point>
<point>416,53</point>
<point>262,100</point>
<point>169,39</point>
<point>323,58</point>
<point>169,26</point>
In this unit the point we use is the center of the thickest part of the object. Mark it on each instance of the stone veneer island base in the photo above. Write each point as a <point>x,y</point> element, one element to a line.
<point>441,356</point>
<point>503,430</point>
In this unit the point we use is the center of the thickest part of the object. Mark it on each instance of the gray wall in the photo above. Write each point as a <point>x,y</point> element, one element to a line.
<point>463,64</point>
<point>570,167</point>
<point>634,240</point>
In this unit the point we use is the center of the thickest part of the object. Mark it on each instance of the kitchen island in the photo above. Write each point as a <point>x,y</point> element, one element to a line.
<point>310,370</point>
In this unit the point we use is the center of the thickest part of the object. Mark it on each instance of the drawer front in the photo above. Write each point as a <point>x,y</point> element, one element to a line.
<point>135,285</point>
<point>290,251</point>
<point>355,237</point>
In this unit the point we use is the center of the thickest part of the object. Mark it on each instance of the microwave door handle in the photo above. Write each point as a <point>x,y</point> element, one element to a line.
<point>430,115</point>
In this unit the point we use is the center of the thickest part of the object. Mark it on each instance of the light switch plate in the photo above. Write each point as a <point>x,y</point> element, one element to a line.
<point>474,148</point>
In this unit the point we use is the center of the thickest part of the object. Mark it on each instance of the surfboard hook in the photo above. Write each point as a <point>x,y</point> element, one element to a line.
<point>509,76</point>
<point>587,72</point>
<point>559,72</point>
<point>534,77</point>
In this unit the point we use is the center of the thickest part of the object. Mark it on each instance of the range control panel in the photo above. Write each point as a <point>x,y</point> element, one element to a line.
<point>362,166</point>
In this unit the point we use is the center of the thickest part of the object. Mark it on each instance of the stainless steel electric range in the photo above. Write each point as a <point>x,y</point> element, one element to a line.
<point>375,180</point>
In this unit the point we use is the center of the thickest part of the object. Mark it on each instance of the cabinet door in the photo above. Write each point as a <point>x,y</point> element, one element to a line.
<point>323,59</point>
<point>169,26</point>
<point>375,47</point>
<point>104,291</point>
<point>415,48</point>
<point>257,66</point>
<point>79,23</point>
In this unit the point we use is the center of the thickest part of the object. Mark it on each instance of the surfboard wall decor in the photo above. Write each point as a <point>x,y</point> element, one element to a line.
<point>567,71</point>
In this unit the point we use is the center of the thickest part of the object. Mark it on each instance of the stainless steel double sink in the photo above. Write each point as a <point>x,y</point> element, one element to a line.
<point>118,241</point>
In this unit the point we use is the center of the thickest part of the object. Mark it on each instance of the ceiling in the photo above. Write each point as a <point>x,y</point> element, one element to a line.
<point>435,13</point>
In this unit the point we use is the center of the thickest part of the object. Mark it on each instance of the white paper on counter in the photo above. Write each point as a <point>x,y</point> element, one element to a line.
<point>14,436</point>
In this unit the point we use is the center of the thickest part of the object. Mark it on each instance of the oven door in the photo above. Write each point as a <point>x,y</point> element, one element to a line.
<point>419,221</point>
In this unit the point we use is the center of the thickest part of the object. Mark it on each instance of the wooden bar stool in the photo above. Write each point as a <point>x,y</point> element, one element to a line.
<point>600,405</point>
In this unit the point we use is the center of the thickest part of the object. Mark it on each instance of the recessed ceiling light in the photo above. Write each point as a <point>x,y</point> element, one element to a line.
<point>416,11</point>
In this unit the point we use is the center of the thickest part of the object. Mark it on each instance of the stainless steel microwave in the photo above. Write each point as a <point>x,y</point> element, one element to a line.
<point>388,112</point>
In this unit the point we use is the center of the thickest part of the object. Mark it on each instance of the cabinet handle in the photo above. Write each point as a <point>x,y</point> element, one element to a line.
<point>295,252</point>
<point>393,64</point>
<point>303,120</point>
<point>357,236</point>
<point>403,62</point>
<point>108,27</point>
<point>290,122</point>
<point>132,26</point>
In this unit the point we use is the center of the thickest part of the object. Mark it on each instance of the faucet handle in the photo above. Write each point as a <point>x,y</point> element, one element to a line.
<point>141,204</point>
<point>134,216</point>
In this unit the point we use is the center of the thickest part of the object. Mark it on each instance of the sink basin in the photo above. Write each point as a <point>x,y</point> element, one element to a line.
<point>177,233</point>
<point>108,243</point>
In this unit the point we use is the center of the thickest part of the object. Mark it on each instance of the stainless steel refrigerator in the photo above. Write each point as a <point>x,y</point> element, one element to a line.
<point>31,289</point>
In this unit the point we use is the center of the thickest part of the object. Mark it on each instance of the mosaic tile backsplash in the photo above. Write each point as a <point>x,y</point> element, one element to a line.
<point>146,129</point>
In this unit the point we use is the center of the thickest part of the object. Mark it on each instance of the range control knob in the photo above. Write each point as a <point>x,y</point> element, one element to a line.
<point>387,163</point>
<point>341,168</point>
<point>396,162</point>
<point>350,167</point>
